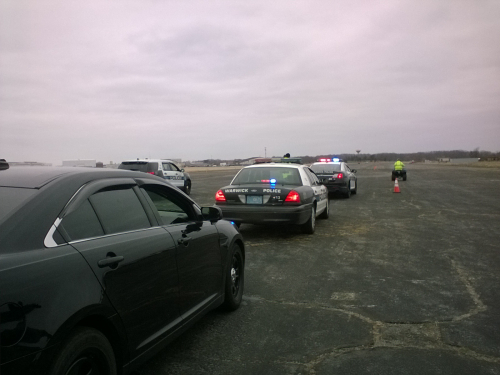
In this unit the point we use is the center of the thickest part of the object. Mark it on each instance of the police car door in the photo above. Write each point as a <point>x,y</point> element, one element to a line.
<point>352,177</point>
<point>320,191</point>
<point>172,174</point>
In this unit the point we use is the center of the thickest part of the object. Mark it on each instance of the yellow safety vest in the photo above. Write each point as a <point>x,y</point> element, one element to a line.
<point>398,166</point>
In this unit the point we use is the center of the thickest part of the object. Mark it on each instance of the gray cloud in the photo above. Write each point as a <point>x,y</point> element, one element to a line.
<point>222,79</point>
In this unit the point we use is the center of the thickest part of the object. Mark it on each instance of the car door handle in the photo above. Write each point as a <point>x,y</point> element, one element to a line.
<point>184,241</point>
<point>110,262</point>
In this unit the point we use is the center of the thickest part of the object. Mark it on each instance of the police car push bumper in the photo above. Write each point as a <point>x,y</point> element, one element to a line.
<point>266,214</point>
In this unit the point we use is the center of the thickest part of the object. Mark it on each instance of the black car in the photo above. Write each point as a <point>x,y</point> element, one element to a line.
<point>100,268</point>
<point>336,176</point>
<point>275,193</point>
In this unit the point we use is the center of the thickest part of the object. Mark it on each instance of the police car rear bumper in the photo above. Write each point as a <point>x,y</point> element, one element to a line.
<point>261,214</point>
<point>336,187</point>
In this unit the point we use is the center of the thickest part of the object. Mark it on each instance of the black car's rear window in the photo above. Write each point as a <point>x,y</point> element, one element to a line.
<point>325,168</point>
<point>264,175</point>
<point>11,198</point>
<point>141,166</point>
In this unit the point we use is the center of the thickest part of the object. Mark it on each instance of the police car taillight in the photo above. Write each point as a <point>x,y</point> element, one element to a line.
<point>220,197</point>
<point>293,196</point>
<point>340,175</point>
<point>151,173</point>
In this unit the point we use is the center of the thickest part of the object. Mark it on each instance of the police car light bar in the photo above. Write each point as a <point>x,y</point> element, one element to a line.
<point>324,160</point>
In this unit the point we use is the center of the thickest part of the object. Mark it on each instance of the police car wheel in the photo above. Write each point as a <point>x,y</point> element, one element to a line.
<point>355,187</point>
<point>310,225</point>
<point>326,213</point>
<point>347,194</point>
<point>187,187</point>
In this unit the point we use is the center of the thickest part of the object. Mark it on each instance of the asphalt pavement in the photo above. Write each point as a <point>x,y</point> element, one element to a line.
<point>391,283</point>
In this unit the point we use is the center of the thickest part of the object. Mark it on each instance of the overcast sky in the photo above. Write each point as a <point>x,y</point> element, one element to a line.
<point>114,80</point>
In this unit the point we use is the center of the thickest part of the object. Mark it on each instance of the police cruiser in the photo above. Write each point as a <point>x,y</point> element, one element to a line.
<point>163,168</point>
<point>336,175</point>
<point>275,193</point>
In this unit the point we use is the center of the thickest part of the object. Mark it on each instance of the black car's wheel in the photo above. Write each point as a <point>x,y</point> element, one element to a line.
<point>310,225</point>
<point>326,213</point>
<point>235,280</point>
<point>86,351</point>
<point>187,187</point>
<point>355,191</point>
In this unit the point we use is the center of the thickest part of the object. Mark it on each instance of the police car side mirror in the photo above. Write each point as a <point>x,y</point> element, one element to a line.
<point>354,171</point>
<point>182,170</point>
<point>212,213</point>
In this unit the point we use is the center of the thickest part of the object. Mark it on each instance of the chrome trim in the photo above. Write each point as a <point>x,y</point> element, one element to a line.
<point>49,239</point>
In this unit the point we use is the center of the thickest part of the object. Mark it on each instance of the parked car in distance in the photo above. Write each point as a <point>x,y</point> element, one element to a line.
<point>336,175</point>
<point>100,268</point>
<point>163,168</point>
<point>275,193</point>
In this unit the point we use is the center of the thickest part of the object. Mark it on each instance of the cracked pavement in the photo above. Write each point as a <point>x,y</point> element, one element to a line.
<point>390,284</point>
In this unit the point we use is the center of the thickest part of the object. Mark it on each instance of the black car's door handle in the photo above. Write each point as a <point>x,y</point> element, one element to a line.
<point>110,262</point>
<point>184,240</point>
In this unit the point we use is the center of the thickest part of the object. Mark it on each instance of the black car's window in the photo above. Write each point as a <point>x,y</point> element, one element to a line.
<point>10,198</point>
<point>266,175</point>
<point>119,210</point>
<point>325,168</point>
<point>171,208</point>
<point>82,223</point>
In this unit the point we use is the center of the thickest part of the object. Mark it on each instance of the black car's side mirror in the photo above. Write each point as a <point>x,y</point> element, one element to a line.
<point>212,213</point>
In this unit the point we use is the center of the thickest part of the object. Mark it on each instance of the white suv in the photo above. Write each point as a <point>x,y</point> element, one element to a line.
<point>162,168</point>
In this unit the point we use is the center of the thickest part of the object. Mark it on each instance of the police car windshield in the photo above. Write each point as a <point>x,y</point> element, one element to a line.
<point>268,175</point>
<point>325,168</point>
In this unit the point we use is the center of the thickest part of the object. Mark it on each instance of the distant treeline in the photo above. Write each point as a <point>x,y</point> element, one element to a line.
<point>416,156</point>
<point>387,156</point>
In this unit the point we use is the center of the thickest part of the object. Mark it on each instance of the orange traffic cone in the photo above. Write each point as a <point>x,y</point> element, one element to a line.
<point>396,186</point>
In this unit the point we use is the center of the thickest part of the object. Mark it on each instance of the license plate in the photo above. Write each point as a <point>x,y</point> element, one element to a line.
<point>254,199</point>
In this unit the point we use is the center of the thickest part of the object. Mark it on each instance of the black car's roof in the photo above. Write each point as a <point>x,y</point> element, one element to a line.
<point>36,177</point>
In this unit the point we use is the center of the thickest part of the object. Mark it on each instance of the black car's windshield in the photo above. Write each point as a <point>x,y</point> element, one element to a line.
<point>266,175</point>
<point>11,197</point>
<point>141,166</point>
<point>325,168</point>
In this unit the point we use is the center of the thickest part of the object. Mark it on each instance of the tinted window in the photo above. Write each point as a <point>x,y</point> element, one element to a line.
<point>264,175</point>
<point>325,168</point>
<point>166,167</point>
<point>141,166</point>
<point>119,210</point>
<point>82,223</point>
<point>10,198</point>
<point>171,208</point>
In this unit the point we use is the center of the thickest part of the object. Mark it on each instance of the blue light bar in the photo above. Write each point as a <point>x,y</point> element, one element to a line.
<point>336,160</point>
<point>273,181</point>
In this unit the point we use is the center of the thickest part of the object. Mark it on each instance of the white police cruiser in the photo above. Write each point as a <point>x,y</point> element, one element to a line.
<point>164,168</point>
<point>275,193</point>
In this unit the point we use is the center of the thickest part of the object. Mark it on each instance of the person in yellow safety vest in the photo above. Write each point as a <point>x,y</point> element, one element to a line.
<point>398,165</point>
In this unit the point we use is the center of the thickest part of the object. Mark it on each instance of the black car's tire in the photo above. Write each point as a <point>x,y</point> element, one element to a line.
<point>235,280</point>
<point>309,226</point>
<point>355,191</point>
<point>326,213</point>
<point>187,187</point>
<point>86,351</point>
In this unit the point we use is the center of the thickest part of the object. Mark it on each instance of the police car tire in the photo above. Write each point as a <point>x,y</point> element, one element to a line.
<point>326,213</point>
<point>187,187</point>
<point>355,187</point>
<point>310,225</point>
<point>348,193</point>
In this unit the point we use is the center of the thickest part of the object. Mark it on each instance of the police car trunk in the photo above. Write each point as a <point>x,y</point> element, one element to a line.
<point>269,193</point>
